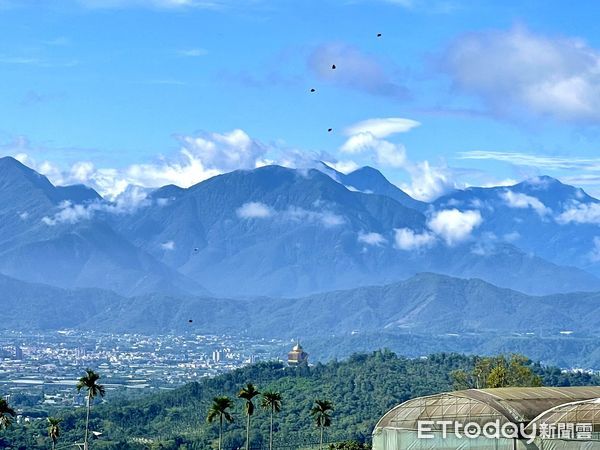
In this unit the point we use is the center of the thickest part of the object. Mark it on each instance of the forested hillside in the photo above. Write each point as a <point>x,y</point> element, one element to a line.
<point>361,389</point>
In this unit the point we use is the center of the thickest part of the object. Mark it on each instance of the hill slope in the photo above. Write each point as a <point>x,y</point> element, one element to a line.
<point>424,314</point>
<point>52,235</point>
<point>362,389</point>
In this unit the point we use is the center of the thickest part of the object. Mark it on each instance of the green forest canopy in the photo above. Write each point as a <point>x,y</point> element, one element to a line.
<point>362,388</point>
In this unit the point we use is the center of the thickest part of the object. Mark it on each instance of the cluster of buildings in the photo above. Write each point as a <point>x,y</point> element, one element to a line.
<point>42,369</point>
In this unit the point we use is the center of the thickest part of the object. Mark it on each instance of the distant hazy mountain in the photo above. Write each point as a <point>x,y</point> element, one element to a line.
<point>31,306</point>
<point>52,235</point>
<point>280,232</point>
<point>370,180</point>
<point>541,216</point>
<point>271,231</point>
<point>426,313</point>
<point>426,304</point>
<point>435,304</point>
<point>284,232</point>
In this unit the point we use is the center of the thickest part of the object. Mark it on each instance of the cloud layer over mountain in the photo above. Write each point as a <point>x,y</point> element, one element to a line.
<point>280,231</point>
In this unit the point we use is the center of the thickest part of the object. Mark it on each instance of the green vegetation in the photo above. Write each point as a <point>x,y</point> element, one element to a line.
<point>496,372</point>
<point>321,412</point>
<point>7,414</point>
<point>362,389</point>
<point>220,408</point>
<point>271,402</point>
<point>89,383</point>
<point>54,430</point>
<point>247,394</point>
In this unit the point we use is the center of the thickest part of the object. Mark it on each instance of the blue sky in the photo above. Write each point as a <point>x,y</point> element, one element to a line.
<point>119,92</point>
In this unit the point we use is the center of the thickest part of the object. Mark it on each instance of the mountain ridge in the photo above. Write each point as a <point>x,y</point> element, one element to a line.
<point>427,312</point>
<point>283,232</point>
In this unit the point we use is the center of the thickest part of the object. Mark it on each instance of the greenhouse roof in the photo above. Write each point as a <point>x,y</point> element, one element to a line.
<point>515,405</point>
<point>585,411</point>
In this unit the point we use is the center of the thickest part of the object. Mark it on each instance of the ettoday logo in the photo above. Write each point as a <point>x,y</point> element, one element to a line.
<point>429,429</point>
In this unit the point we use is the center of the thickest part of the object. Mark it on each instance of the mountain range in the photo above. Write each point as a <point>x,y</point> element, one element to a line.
<point>348,260</point>
<point>426,313</point>
<point>285,232</point>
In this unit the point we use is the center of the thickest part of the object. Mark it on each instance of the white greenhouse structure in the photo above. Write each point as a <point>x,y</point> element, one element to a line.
<point>537,418</point>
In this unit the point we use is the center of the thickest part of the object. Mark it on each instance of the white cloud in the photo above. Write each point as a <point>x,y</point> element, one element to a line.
<point>46,168</point>
<point>520,70</point>
<point>81,172</point>
<point>258,210</point>
<point>330,219</point>
<point>254,210</point>
<point>578,212</point>
<point>385,153</point>
<point>199,158</point>
<point>69,213</point>
<point>372,238</point>
<point>354,70</point>
<point>501,182</point>
<point>390,154</point>
<point>132,198</point>
<point>407,239</point>
<point>538,161</point>
<point>359,143</point>
<point>594,254</point>
<point>169,245</point>
<point>524,201</point>
<point>326,218</point>
<point>454,226</point>
<point>381,128</point>
<point>225,152</point>
<point>367,136</point>
<point>161,201</point>
<point>129,201</point>
<point>429,182</point>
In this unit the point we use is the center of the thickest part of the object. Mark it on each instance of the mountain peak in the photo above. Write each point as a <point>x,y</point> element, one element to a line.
<point>8,162</point>
<point>552,192</point>
<point>542,181</point>
<point>371,180</point>
<point>18,178</point>
<point>368,171</point>
<point>17,175</point>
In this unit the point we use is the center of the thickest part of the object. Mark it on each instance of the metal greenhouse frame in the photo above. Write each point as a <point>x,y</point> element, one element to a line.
<point>514,408</point>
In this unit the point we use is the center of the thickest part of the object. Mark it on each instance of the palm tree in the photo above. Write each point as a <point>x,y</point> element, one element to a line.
<point>54,430</point>
<point>89,382</point>
<point>7,414</point>
<point>248,393</point>
<point>271,401</point>
<point>219,408</point>
<point>321,412</point>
